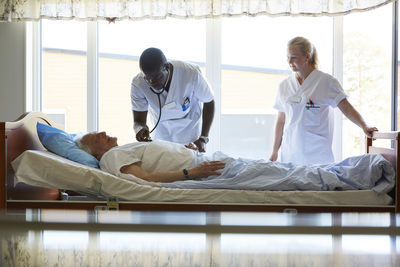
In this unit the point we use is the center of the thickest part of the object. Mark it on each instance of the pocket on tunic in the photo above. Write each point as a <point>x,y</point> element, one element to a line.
<point>173,112</point>
<point>312,117</point>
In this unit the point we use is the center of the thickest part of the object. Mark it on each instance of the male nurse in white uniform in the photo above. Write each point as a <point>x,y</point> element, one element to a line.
<point>184,95</point>
<point>305,102</point>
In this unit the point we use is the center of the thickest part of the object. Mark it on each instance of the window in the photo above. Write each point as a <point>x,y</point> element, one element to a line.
<point>64,73</point>
<point>244,58</point>
<point>367,72</point>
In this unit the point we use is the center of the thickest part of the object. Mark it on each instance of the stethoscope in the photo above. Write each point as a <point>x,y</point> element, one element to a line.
<point>158,93</point>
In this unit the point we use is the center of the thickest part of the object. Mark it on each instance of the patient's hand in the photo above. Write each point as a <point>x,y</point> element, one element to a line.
<point>192,146</point>
<point>206,169</point>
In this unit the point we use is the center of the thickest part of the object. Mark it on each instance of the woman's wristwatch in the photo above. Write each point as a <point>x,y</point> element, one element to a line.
<point>204,138</point>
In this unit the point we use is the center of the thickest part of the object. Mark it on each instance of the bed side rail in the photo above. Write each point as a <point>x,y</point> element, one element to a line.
<point>391,154</point>
<point>386,135</point>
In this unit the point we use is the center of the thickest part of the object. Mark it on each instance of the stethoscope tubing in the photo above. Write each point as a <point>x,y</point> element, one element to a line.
<point>159,100</point>
<point>159,105</point>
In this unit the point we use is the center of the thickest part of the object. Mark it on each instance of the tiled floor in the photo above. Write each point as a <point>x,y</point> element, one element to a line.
<point>116,238</point>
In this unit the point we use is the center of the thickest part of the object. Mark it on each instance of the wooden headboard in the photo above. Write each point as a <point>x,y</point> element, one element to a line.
<point>16,137</point>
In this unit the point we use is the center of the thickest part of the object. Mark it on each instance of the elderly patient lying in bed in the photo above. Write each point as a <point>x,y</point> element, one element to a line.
<point>179,166</point>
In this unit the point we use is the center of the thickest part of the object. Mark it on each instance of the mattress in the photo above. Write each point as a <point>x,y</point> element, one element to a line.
<point>45,169</point>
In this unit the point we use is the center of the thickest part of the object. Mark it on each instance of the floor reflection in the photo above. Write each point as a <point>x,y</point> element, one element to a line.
<point>242,243</point>
<point>152,241</point>
<point>82,238</point>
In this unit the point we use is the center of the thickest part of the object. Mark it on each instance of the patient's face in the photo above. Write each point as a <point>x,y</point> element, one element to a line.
<point>99,141</point>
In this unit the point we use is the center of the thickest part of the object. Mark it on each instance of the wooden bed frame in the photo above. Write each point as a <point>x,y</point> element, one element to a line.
<point>20,135</point>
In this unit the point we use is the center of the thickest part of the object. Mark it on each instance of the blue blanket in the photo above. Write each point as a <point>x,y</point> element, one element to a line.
<point>370,171</point>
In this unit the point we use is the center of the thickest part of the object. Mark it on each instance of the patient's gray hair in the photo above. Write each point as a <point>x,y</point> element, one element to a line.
<point>78,142</point>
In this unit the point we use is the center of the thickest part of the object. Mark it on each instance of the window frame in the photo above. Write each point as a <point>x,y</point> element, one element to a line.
<point>395,65</point>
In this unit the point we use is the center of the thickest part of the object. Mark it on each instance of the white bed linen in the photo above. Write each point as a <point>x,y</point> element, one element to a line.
<point>42,168</point>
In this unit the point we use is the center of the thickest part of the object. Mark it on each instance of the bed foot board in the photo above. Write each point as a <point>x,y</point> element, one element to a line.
<point>391,154</point>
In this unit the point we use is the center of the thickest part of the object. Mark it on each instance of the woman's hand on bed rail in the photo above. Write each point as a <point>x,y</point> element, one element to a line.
<point>369,131</point>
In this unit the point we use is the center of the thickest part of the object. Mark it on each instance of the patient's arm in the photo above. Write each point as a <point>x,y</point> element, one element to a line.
<point>203,170</point>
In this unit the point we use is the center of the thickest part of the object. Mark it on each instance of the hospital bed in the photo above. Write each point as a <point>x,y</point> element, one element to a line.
<point>51,181</point>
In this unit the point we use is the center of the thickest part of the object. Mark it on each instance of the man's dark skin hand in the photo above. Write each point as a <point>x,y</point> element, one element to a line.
<point>201,145</point>
<point>143,135</point>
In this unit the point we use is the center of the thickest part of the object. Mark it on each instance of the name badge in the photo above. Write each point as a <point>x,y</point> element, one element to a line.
<point>294,99</point>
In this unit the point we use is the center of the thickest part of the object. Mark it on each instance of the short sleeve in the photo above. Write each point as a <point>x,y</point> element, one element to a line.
<point>138,99</point>
<point>336,92</point>
<point>113,160</point>
<point>203,89</point>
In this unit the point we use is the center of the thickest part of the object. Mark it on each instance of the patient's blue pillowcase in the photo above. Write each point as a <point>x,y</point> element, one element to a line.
<point>62,144</point>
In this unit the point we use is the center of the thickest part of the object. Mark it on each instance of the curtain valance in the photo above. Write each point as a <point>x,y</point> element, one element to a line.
<point>25,10</point>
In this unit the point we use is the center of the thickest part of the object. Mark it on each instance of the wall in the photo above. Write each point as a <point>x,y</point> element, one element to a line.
<point>12,70</point>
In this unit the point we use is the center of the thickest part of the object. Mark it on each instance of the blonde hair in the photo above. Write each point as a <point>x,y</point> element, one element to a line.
<point>306,47</point>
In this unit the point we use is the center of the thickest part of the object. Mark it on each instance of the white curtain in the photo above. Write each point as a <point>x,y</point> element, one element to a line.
<point>23,10</point>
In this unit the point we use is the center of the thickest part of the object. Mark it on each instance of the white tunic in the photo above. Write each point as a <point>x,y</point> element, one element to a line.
<point>181,105</point>
<point>308,108</point>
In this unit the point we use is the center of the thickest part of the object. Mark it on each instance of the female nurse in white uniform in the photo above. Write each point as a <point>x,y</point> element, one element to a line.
<point>305,102</point>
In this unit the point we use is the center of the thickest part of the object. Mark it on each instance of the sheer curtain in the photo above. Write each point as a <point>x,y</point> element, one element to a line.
<point>24,10</point>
